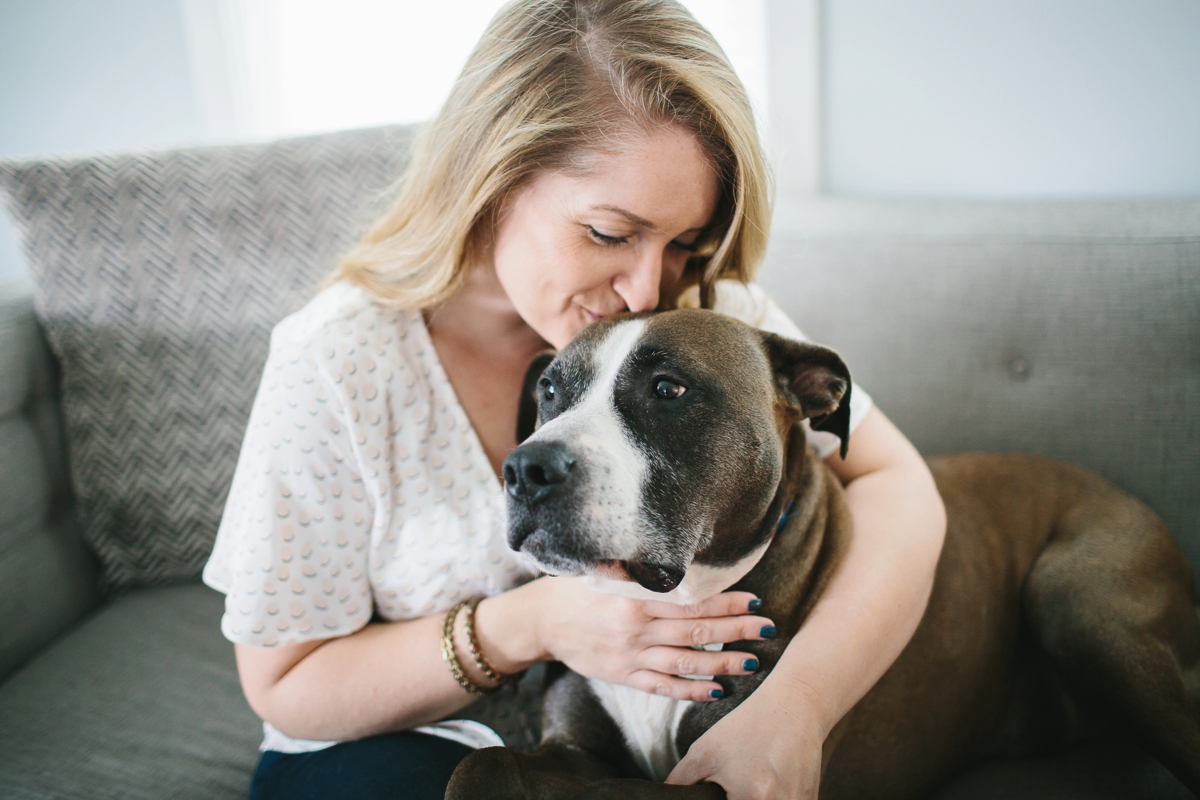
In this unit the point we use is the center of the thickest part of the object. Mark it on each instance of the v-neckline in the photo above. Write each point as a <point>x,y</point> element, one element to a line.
<point>495,483</point>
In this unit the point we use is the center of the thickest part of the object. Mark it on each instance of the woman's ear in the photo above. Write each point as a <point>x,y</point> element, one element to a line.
<point>815,381</point>
<point>527,410</point>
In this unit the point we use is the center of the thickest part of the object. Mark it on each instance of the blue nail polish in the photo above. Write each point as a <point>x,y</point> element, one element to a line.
<point>755,604</point>
<point>767,631</point>
<point>750,665</point>
<point>716,694</point>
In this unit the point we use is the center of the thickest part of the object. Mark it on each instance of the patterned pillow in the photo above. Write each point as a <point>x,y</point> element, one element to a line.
<point>158,280</point>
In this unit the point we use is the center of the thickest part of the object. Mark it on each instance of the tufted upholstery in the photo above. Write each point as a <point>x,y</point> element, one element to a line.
<point>1066,329</point>
<point>47,578</point>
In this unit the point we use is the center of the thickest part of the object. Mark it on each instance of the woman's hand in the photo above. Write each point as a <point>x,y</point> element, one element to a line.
<point>647,644</point>
<point>768,748</point>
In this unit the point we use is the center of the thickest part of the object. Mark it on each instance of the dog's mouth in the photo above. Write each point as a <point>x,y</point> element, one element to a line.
<point>546,550</point>
<point>658,578</point>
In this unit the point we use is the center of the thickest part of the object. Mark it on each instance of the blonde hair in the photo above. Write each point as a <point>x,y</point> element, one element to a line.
<point>549,82</point>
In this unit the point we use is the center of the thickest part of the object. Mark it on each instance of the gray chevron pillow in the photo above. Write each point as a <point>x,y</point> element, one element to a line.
<point>158,280</point>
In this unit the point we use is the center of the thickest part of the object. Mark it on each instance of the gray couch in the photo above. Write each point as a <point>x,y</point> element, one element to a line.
<point>1069,329</point>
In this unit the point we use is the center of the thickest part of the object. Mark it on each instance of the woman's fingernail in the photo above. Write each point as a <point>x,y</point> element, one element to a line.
<point>755,604</point>
<point>750,665</point>
<point>767,631</point>
<point>716,694</point>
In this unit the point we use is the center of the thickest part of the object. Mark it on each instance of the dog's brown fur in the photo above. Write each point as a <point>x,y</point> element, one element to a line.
<point>1060,605</point>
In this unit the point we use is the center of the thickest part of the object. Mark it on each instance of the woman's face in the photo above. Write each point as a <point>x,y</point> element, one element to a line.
<point>569,250</point>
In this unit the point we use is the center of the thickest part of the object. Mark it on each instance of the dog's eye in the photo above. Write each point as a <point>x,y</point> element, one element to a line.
<point>547,391</point>
<point>668,390</point>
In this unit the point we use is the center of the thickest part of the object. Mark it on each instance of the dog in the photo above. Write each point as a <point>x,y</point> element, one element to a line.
<point>671,463</point>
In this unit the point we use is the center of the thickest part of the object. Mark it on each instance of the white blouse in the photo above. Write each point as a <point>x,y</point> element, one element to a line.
<point>362,489</point>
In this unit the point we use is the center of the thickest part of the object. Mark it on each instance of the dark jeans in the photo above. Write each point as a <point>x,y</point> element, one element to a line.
<point>398,766</point>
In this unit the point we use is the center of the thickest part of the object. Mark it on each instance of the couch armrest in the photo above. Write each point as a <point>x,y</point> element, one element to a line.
<point>47,575</point>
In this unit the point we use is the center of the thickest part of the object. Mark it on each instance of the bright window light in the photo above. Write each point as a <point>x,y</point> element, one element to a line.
<point>307,66</point>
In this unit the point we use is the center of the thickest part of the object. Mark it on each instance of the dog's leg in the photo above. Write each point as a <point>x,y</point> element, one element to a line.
<point>554,772</point>
<point>581,747</point>
<point>1111,600</point>
<point>619,789</point>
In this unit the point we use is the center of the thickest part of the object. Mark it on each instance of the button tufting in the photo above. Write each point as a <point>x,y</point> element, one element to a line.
<point>1019,369</point>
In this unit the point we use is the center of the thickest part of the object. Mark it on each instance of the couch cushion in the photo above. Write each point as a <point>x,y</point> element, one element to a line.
<point>1069,329</point>
<point>159,278</point>
<point>141,700</point>
<point>47,577</point>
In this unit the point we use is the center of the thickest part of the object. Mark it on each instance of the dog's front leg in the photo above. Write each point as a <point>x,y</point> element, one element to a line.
<point>581,746</point>
<point>554,772</point>
<point>633,789</point>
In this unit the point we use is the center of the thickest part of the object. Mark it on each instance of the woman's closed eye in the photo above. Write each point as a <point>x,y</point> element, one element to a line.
<point>615,241</point>
<point>605,239</point>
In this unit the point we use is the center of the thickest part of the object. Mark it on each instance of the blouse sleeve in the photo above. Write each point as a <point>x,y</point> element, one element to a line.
<point>292,548</point>
<point>750,304</point>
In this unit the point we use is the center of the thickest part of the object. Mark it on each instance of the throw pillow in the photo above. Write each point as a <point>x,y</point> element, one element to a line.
<point>158,279</point>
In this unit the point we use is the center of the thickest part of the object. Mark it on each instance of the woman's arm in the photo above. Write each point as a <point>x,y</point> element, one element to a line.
<point>384,677</point>
<point>856,630</point>
<point>391,676</point>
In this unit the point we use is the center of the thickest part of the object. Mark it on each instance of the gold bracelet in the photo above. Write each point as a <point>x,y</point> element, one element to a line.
<point>485,667</point>
<point>451,658</point>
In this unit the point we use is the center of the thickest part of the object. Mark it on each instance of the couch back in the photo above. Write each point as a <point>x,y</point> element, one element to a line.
<point>1065,328</point>
<point>1068,329</point>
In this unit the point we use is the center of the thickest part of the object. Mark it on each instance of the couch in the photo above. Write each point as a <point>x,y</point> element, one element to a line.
<point>129,358</point>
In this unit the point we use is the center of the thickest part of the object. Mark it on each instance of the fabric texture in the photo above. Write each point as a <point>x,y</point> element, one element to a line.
<point>159,278</point>
<point>362,488</point>
<point>1071,330</point>
<point>361,484</point>
<point>140,701</point>
<point>47,577</point>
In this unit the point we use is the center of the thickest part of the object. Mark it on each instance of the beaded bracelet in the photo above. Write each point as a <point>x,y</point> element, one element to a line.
<point>473,647</point>
<point>451,658</point>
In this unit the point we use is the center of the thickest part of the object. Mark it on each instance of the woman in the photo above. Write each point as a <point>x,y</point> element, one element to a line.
<point>595,156</point>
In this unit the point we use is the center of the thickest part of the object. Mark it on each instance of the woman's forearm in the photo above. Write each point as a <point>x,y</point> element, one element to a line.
<point>876,598</point>
<point>387,676</point>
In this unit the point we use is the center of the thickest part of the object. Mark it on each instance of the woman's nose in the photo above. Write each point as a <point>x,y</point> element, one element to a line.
<point>639,286</point>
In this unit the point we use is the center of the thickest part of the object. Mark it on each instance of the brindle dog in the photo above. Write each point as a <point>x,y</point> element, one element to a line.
<point>670,447</point>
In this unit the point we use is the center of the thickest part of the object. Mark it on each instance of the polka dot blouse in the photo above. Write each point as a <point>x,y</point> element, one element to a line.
<point>361,485</point>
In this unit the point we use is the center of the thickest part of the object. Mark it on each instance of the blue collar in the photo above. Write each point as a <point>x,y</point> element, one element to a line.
<point>787,514</point>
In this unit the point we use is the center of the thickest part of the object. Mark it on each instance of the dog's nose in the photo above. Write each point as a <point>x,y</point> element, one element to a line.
<point>537,469</point>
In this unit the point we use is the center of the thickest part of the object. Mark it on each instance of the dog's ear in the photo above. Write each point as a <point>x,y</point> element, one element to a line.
<point>527,410</point>
<point>815,381</point>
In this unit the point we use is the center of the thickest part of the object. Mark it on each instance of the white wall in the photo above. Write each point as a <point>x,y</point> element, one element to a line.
<point>978,98</point>
<point>80,76</point>
<point>305,66</point>
<point>1012,98</point>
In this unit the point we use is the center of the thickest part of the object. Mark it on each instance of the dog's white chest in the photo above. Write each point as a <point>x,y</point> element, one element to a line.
<point>649,722</point>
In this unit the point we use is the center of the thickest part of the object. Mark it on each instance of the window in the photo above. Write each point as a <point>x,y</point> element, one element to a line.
<point>271,68</point>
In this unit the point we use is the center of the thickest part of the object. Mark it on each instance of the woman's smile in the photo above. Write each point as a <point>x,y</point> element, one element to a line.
<point>571,249</point>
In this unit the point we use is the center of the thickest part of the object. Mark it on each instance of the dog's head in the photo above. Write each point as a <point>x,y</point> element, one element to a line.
<point>661,454</point>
